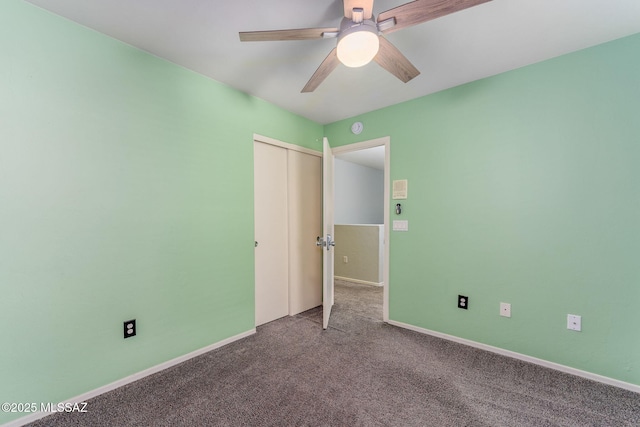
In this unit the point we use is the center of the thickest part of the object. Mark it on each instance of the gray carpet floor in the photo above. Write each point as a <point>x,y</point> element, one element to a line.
<point>359,372</point>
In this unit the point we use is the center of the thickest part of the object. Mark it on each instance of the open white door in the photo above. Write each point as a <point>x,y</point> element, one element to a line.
<point>326,241</point>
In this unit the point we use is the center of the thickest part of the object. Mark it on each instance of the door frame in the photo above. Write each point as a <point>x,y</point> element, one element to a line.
<point>357,146</point>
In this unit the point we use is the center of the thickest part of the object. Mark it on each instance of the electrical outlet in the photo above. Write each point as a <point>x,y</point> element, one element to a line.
<point>574,322</point>
<point>463,302</point>
<point>345,259</point>
<point>505,309</point>
<point>130,328</point>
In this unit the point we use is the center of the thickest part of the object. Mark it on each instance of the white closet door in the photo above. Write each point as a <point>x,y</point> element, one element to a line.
<point>271,232</point>
<point>305,224</point>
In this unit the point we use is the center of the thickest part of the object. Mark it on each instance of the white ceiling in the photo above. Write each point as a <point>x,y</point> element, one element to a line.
<point>202,35</point>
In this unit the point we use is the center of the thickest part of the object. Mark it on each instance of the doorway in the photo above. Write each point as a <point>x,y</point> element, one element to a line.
<point>375,271</point>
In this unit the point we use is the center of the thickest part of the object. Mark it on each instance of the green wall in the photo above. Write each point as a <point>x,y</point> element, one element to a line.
<point>126,191</point>
<point>523,188</point>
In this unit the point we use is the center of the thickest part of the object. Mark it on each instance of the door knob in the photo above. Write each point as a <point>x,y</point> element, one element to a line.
<point>330,242</point>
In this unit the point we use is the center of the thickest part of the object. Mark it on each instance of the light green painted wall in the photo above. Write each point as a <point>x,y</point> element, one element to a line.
<point>126,191</point>
<point>523,188</point>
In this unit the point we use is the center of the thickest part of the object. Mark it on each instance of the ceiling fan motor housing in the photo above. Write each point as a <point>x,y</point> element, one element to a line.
<point>358,43</point>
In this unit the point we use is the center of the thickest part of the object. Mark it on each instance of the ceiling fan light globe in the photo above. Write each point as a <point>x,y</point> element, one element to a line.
<point>357,44</point>
<point>358,49</point>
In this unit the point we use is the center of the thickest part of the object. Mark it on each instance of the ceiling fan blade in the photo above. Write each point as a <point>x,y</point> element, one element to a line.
<point>419,11</point>
<point>392,60</point>
<point>276,35</point>
<point>367,5</point>
<point>328,65</point>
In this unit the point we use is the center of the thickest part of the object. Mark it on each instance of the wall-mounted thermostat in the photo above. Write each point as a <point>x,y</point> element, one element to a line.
<point>400,189</point>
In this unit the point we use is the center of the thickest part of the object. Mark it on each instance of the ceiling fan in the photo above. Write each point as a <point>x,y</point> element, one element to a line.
<point>360,37</point>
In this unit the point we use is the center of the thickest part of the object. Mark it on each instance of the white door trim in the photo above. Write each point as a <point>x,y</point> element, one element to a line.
<point>386,141</point>
<point>288,146</point>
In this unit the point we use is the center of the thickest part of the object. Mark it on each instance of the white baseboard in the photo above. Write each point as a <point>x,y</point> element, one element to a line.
<point>362,282</point>
<point>523,357</point>
<point>131,378</point>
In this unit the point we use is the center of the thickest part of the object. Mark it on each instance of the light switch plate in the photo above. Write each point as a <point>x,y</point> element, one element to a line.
<point>400,225</point>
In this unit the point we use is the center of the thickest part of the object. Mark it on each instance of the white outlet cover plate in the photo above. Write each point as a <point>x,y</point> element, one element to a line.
<point>574,322</point>
<point>505,309</point>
